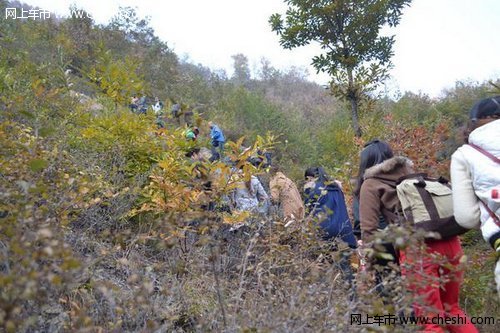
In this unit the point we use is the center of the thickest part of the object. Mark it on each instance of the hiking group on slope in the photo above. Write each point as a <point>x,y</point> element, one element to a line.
<point>379,203</point>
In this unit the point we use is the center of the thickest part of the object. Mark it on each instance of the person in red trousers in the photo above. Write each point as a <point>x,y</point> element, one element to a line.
<point>434,276</point>
<point>432,266</point>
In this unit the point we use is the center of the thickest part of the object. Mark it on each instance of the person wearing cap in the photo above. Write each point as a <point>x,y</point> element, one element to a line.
<point>475,175</point>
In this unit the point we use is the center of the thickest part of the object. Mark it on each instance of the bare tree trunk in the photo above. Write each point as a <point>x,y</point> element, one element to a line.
<point>355,118</point>
<point>353,98</point>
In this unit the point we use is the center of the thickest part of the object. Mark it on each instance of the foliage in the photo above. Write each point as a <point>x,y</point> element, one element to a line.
<point>115,79</point>
<point>123,133</point>
<point>42,190</point>
<point>478,278</point>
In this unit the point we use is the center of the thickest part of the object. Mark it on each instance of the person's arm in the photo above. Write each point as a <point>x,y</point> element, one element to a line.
<point>213,139</point>
<point>356,229</point>
<point>369,210</point>
<point>465,202</point>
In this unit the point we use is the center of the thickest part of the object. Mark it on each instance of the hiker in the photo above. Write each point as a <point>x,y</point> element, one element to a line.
<point>475,175</point>
<point>133,103</point>
<point>176,112</point>
<point>192,133</point>
<point>217,141</point>
<point>325,201</point>
<point>142,104</point>
<point>266,158</point>
<point>284,192</point>
<point>250,196</point>
<point>264,177</point>
<point>378,168</point>
<point>157,107</point>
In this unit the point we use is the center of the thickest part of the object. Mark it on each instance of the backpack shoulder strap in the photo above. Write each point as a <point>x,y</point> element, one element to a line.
<point>419,176</point>
<point>486,153</point>
<point>495,159</point>
<point>492,214</point>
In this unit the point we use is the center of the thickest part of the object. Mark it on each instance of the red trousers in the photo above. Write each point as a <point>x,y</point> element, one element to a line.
<point>435,280</point>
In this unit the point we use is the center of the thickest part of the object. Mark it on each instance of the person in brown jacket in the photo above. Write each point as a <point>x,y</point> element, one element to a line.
<point>379,172</point>
<point>377,160</point>
<point>285,192</point>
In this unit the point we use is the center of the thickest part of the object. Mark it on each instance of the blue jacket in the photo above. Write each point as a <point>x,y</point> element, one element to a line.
<point>216,135</point>
<point>329,200</point>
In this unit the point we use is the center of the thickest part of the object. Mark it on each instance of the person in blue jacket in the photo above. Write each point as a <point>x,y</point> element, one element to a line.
<point>324,200</point>
<point>217,141</point>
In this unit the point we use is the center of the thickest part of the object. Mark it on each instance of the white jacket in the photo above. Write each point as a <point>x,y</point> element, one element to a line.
<point>473,176</point>
<point>252,201</point>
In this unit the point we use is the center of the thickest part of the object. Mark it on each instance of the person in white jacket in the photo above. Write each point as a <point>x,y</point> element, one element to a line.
<point>250,196</point>
<point>475,175</point>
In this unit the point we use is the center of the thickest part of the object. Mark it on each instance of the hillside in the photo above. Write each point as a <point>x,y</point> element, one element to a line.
<point>103,219</point>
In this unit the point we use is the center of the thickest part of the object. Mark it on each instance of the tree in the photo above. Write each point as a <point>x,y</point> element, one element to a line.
<point>355,56</point>
<point>135,29</point>
<point>115,78</point>
<point>80,30</point>
<point>267,72</point>
<point>241,73</point>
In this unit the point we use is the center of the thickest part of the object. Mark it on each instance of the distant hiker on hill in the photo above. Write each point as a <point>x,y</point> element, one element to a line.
<point>475,175</point>
<point>157,107</point>
<point>266,157</point>
<point>176,112</point>
<point>192,133</point>
<point>134,103</point>
<point>284,192</point>
<point>158,111</point>
<point>217,141</point>
<point>142,104</point>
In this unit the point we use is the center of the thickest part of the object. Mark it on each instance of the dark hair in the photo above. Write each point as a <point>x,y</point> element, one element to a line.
<point>192,151</point>
<point>273,169</point>
<point>255,161</point>
<point>482,112</point>
<point>317,172</point>
<point>486,108</point>
<point>373,153</point>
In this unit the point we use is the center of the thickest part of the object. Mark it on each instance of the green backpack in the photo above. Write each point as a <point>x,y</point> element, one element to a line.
<point>427,203</point>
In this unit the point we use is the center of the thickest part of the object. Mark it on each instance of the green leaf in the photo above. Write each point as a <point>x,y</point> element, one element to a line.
<point>27,114</point>
<point>46,131</point>
<point>38,164</point>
